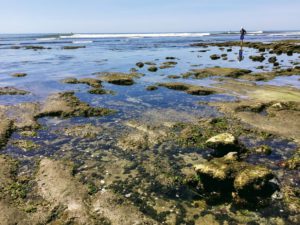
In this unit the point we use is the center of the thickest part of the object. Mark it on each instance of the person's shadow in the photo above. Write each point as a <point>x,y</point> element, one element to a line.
<point>241,54</point>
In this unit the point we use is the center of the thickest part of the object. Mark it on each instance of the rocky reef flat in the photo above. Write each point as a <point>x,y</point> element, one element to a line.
<point>189,136</point>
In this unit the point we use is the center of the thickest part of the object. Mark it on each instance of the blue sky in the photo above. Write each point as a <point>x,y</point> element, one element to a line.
<point>121,16</point>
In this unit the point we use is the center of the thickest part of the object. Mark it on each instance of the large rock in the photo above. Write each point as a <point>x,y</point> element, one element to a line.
<point>253,185</point>
<point>248,184</point>
<point>66,104</point>
<point>223,144</point>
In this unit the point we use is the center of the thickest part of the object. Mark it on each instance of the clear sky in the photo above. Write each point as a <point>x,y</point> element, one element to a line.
<point>121,16</point>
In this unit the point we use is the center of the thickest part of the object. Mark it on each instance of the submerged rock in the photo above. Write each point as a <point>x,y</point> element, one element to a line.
<point>83,131</point>
<point>66,104</point>
<point>25,145</point>
<point>12,91</point>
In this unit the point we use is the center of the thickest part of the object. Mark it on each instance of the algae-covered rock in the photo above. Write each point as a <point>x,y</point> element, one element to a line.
<point>168,64</point>
<point>278,47</point>
<point>223,144</point>
<point>95,83</point>
<point>6,129</point>
<point>12,91</point>
<point>216,71</point>
<point>72,47</point>
<point>249,184</point>
<point>140,64</point>
<point>152,69</point>
<point>19,75</point>
<point>252,177</point>
<point>173,77</point>
<point>264,149</point>
<point>188,88</point>
<point>23,115</point>
<point>293,163</point>
<point>83,131</point>
<point>215,57</point>
<point>272,59</point>
<point>68,193</point>
<point>208,219</point>
<point>98,91</point>
<point>257,58</point>
<point>253,184</point>
<point>119,78</point>
<point>66,104</point>
<point>151,88</point>
<point>25,145</point>
<point>218,175</point>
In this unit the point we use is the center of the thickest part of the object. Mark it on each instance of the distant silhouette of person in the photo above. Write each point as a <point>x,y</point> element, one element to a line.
<point>241,55</point>
<point>243,33</point>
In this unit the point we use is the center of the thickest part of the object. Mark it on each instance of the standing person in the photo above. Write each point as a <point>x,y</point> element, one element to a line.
<point>243,33</point>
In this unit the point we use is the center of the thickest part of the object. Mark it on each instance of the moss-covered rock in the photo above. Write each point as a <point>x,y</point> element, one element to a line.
<point>173,77</point>
<point>282,46</point>
<point>294,162</point>
<point>272,59</point>
<point>188,88</point>
<point>257,58</point>
<point>223,144</point>
<point>151,88</point>
<point>119,78</point>
<point>252,184</point>
<point>6,129</point>
<point>215,57</point>
<point>95,83</point>
<point>216,71</point>
<point>25,145</point>
<point>152,69</point>
<point>263,149</point>
<point>140,64</point>
<point>72,47</point>
<point>83,131</point>
<point>98,91</point>
<point>170,63</point>
<point>19,75</point>
<point>12,91</point>
<point>249,184</point>
<point>66,104</point>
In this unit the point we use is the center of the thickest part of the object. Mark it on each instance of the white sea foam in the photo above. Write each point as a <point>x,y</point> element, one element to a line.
<point>82,42</point>
<point>294,33</point>
<point>82,36</point>
<point>46,39</point>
